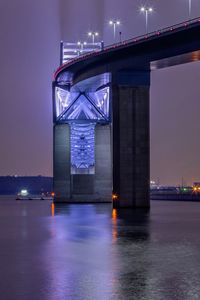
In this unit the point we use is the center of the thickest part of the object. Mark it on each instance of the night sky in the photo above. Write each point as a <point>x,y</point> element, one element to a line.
<point>30,32</point>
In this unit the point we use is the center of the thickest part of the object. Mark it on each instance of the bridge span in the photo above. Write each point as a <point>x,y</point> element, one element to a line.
<point>101,116</point>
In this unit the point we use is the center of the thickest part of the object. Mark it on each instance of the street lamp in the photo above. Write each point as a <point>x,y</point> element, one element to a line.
<point>93,34</point>
<point>146,10</point>
<point>190,7</point>
<point>81,45</point>
<point>114,23</point>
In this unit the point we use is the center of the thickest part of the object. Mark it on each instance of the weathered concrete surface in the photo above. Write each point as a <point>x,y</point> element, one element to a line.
<point>97,187</point>
<point>131,145</point>
<point>61,166</point>
<point>103,165</point>
<point>82,188</point>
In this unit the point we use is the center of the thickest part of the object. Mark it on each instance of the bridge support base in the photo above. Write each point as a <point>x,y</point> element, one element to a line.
<point>82,188</point>
<point>131,144</point>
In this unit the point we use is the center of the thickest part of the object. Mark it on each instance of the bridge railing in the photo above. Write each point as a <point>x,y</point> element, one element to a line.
<point>155,33</point>
<point>134,40</point>
<point>70,51</point>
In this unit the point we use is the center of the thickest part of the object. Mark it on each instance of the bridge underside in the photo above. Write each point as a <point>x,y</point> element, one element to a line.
<point>119,169</point>
<point>193,56</point>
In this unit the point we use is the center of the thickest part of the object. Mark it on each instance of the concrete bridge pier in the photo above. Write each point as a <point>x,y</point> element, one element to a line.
<point>82,188</point>
<point>130,123</point>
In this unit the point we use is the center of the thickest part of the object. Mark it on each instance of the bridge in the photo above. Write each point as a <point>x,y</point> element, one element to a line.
<point>101,116</point>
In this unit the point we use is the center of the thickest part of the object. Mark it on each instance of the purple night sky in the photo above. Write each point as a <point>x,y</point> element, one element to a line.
<point>29,53</point>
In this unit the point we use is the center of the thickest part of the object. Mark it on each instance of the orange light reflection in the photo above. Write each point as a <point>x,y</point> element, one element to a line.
<point>114,223</point>
<point>52,209</point>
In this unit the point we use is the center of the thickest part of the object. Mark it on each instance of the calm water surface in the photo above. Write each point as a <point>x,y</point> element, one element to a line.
<point>93,252</point>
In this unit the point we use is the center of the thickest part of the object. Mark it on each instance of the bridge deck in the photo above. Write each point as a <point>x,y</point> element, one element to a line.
<point>160,44</point>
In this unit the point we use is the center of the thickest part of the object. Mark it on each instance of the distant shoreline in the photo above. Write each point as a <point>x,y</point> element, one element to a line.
<point>175,197</point>
<point>32,198</point>
<point>153,197</point>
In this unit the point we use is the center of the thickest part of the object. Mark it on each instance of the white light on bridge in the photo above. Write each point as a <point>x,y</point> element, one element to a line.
<point>189,8</point>
<point>81,44</point>
<point>146,10</point>
<point>114,23</point>
<point>93,34</point>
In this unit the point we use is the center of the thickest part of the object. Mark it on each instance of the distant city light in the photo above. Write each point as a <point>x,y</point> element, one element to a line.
<point>196,187</point>
<point>24,192</point>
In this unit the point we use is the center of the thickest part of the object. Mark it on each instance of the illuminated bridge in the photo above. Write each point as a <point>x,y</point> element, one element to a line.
<point>101,116</point>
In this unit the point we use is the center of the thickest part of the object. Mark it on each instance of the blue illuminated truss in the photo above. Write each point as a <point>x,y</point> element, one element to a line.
<point>82,106</point>
<point>82,147</point>
<point>63,99</point>
<point>82,111</point>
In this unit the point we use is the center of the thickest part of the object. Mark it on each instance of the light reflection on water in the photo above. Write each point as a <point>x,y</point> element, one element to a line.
<point>88,252</point>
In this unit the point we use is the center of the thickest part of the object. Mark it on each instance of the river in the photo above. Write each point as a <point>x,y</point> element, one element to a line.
<point>91,252</point>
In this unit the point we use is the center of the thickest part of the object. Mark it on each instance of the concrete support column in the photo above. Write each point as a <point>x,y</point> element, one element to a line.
<point>130,102</point>
<point>96,187</point>
<point>103,164</point>
<point>61,167</point>
<point>82,188</point>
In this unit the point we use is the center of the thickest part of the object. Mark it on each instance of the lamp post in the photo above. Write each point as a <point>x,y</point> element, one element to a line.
<point>81,45</point>
<point>114,23</point>
<point>146,10</point>
<point>190,8</point>
<point>93,34</point>
<point>120,36</point>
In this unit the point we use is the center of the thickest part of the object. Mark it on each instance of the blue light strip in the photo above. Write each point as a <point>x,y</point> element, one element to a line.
<point>82,139</point>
